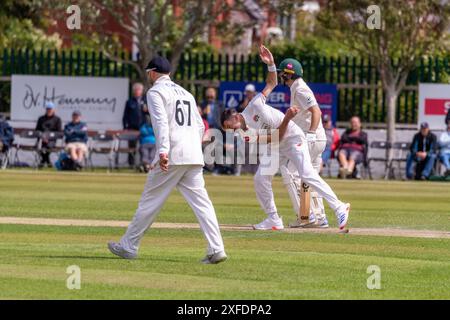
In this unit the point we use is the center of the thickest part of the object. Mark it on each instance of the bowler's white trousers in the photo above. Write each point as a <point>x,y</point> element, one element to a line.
<point>296,152</point>
<point>189,181</point>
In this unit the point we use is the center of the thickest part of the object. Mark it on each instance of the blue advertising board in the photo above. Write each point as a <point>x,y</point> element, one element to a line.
<point>232,92</point>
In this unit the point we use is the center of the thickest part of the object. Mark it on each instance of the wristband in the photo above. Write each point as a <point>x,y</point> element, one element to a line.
<point>272,68</point>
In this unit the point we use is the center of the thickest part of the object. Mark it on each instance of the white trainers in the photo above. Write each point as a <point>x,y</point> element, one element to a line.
<point>322,223</point>
<point>119,251</point>
<point>215,258</point>
<point>313,222</point>
<point>269,224</point>
<point>342,216</point>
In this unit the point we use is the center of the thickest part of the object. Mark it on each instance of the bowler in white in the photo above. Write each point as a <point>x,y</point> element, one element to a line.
<point>292,145</point>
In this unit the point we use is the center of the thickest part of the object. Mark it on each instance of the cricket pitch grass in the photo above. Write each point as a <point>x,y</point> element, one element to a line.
<point>401,229</point>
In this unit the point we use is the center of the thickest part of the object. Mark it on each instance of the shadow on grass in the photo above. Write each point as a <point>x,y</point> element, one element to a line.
<point>76,257</point>
<point>142,259</point>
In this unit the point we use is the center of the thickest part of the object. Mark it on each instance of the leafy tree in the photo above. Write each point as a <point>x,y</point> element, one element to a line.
<point>23,25</point>
<point>168,26</point>
<point>407,31</point>
<point>155,26</point>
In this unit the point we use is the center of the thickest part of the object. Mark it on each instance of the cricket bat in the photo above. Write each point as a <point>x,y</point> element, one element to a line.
<point>305,203</point>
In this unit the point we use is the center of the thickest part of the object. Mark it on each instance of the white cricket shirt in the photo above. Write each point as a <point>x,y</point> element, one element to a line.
<point>260,116</point>
<point>176,122</point>
<point>303,97</point>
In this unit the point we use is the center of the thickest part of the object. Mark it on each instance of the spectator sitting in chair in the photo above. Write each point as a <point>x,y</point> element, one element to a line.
<point>332,140</point>
<point>353,148</point>
<point>147,142</point>
<point>444,145</point>
<point>47,123</point>
<point>76,137</point>
<point>423,152</point>
<point>6,135</point>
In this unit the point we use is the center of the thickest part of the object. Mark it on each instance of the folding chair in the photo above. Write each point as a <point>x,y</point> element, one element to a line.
<point>378,145</point>
<point>401,150</point>
<point>127,136</point>
<point>329,165</point>
<point>104,144</point>
<point>30,141</point>
<point>4,158</point>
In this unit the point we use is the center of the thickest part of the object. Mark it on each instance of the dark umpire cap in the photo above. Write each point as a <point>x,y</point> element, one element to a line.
<point>159,64</point>
<point>424,125</point>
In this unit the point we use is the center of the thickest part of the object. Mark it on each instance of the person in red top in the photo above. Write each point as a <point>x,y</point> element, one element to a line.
<point>332,140</point>
<point>353,147</point>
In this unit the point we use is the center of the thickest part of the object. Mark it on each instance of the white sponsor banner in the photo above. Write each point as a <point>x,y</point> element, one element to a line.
<point>100,100</point>
<point>434,103</point>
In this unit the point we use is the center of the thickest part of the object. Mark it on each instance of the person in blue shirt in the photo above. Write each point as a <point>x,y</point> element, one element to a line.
<point>147,142</point>
<point>444,146</point>
<point>76,136</point>
<point>6,140</point>
<point>6,135</point>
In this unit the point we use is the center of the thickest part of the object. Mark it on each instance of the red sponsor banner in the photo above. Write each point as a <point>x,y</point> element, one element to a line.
<point>436,106</point>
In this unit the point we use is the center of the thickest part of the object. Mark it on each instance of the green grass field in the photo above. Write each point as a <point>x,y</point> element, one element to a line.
<point>262,265</point>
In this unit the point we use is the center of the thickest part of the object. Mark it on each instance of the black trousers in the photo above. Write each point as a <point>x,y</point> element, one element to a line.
<point>132,155</point>
<point>44,153</point>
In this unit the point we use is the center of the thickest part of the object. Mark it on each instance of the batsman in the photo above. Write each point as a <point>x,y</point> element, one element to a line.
<point>307,203</point>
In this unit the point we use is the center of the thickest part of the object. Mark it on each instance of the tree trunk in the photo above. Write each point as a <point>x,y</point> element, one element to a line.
<point>143,59</point>
<point>176,56</point>
<point>391,101</point>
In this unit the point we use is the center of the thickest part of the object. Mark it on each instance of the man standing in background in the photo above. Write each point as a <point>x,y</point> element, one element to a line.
<point>249,94</point>
<point>47,123</point>
<point>133,116</point>
<point>212,108</point>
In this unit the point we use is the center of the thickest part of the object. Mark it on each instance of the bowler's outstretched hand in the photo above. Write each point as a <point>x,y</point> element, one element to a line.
<point>266,56</point>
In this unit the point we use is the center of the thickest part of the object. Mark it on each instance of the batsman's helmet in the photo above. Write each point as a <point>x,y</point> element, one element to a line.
<point>291,66</point>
